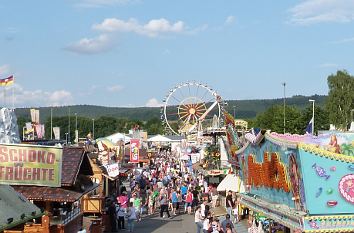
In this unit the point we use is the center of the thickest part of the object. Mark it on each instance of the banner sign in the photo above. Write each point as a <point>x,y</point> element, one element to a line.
<point>35,116</point>
<point>30,165</point>
<point>56,131</point>
<point>134,150</point>
<point>112,169</point>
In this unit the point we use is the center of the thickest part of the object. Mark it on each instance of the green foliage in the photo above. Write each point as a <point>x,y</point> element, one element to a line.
<point>273,119</point>
<point>340,100</point>
<point>153,126</point>
<point>104,126</point>
<point>321,119</point>
<point>244,109</point>
<point>296,120</point>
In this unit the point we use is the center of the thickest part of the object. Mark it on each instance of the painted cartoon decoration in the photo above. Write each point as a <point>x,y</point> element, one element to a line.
<point>321,172</point>
<point>295,180</point>
<point>351,167</point>
<point>333,169</point>
<point>333,144</point>
<point>346,188</point>
<point>319,192</point>
<point>329,191</point>
<point>332,203</point>
<point>313,224</point>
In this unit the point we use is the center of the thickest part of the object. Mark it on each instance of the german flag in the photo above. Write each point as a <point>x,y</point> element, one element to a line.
<point>7,81</point>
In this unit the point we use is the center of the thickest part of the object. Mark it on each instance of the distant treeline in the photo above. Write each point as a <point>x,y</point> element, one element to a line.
<point>109,120</point>
<point>244,109</point>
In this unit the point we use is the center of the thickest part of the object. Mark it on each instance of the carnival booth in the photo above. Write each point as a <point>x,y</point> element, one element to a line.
<point>302,182</point>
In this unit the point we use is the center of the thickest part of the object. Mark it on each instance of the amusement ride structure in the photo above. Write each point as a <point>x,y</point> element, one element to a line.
<point>189,107</point>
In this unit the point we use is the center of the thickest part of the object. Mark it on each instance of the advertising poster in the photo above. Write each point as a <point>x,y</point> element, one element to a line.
<point>112,169</point>
<point>30,165</point>
<point>134,150</point>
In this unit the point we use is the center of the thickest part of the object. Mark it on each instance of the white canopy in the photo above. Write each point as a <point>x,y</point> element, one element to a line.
<point>118,137</point>
<point>159,138</point>
<point>231,182</point>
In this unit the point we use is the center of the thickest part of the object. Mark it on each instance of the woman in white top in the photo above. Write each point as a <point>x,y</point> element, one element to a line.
<point>198,219</point>
<point>206,224</point>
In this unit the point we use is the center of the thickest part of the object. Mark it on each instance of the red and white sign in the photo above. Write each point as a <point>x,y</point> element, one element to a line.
<point>134,150</point>
<point>112,169</point>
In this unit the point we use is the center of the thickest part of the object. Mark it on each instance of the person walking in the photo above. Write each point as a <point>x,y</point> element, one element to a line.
<point>137,206</point>
<point>174,199</point>
<point>229,203</point>
<point>112,216</point>
<point>120,216</point>
<point>198,219</point>
<point>164,205</point>
<point>189,199</point>
<point>131,215</point>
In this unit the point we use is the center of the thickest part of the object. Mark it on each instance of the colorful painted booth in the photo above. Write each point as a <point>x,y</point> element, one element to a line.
<point>303,182</point>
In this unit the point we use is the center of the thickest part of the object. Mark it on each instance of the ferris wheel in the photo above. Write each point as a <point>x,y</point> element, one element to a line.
<point>188,106</point>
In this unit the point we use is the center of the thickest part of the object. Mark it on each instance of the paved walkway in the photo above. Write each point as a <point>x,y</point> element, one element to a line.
<point>178,224</point>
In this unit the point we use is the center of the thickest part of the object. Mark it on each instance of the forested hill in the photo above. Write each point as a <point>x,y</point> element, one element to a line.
<point>244,109</point>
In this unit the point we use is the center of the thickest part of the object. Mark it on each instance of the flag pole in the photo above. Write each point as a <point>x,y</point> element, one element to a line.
<point>13,93</point>
<point>5,97</point>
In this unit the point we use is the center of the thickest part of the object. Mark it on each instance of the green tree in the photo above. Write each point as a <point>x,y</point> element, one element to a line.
<point>153,126</point>
<point>340,99</point>
<point>321,119</point>
<point>273,119</point>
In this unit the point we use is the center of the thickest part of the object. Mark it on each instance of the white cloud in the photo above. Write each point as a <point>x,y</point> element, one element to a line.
<point>153,103</point>
<point>230,19</point>
<point>198,29</point>
<point>328,65</point>
<point>318,11</point>
<point>27,98</point>
<point>4,69</point>
<point>152,28</point>
<point>103,3</point>
<point>115,88</point>
<point>345,40</point>
<point>99,44</point>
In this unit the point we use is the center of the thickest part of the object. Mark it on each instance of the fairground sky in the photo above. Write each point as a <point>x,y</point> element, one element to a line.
<point>131,52</point>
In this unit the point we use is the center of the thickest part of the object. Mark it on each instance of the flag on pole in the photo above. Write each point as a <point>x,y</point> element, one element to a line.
<point>309,127</point>
<point>7,81</point>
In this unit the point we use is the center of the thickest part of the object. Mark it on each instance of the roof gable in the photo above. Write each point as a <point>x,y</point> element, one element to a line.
<point>72,160</point>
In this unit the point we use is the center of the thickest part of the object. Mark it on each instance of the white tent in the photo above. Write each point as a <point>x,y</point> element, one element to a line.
<point>118,137</point>
<point>231,182</point>
<point>159,138</point>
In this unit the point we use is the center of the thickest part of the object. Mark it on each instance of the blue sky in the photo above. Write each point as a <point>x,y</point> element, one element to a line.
<point>131,52</point>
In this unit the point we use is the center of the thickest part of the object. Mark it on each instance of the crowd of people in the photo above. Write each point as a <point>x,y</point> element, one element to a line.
<point>169,187</point>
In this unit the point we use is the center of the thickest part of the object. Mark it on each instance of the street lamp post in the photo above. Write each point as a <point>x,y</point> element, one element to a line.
<point>76,132</point>
<point>313,116</point>
<point>51,123</point>
<point>69,126</point>
<point>75,121</point>
<point>284,84</point>
<point>234,107</point>
<point>93,128</point>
